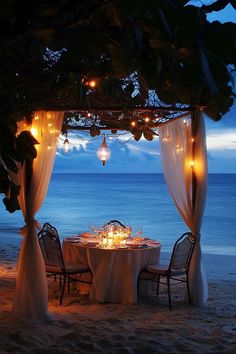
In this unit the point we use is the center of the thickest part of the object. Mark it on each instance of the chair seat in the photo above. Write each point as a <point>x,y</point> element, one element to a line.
<point>178,268</point>
<point>163,270</point>
<point>50,245</point>
<point>69,268</point>
<point>158,269</point>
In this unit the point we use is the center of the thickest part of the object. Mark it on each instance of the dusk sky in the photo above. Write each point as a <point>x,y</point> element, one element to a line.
<point>129,156</point>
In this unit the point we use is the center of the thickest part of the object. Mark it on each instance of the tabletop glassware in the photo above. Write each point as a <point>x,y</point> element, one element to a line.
<point>139,231</point>
<point>94,229</point>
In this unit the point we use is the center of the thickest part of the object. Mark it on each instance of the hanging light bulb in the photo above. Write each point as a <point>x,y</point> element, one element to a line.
<point>66,145</point>
<point>103,152</point>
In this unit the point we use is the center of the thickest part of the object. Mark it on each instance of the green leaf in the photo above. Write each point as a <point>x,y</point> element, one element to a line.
<point>148,135</point>
<point>3,172</point>
<point>206,71</point>
<point>26,138</point>
<point>137,134</point>
<point>11,204</point>
<point>94,131</point>
<point>4,185</point>
<point>10,163</point>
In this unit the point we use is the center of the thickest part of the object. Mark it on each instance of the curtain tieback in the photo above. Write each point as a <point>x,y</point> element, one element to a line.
<point>29,223</point>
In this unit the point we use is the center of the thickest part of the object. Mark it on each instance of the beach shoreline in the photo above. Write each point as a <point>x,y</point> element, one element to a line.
<point>217,266</point>
<point>80,326</point>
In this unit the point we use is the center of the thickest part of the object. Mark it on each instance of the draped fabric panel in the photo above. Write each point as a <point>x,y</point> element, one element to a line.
<point>184,159</point>
<point>31,298</point>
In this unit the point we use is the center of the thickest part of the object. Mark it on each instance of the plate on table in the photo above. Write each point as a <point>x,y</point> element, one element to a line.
<point>92,242</point>
<point>76,236</point>
<point>153,242</point>
<point>138,239</point>
<point>86,235</point>
<point>72,239</point>
<point>136,245</point>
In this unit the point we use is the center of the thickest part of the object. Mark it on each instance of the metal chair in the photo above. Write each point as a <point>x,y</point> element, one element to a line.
<point>50,245</point>
<point>177,269</point>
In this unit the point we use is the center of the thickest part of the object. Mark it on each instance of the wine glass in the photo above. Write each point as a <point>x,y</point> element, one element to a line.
<point>94,229</point>
<point>139,231</point>
<point>129,232</point>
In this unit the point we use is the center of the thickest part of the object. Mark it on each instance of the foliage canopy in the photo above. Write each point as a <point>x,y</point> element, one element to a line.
<point>51,49</point>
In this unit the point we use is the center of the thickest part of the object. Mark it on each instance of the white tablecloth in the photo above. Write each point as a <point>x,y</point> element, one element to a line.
<point>115,271</point>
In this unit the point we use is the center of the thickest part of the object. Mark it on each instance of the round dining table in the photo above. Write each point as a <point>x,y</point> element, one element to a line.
<point>115,270</point>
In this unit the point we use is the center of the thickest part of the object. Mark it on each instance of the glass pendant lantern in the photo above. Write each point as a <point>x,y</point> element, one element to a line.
<point>103,152</point>
<point>66,145</point>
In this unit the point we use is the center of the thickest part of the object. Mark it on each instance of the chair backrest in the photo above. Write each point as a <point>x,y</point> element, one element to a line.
<point>182,253</point>
<point>50,245</point>
<point>114,223</point>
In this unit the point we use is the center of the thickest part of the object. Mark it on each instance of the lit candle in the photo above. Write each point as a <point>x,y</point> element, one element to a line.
<point>34,132</point>
<point>109,242</point>
<point>104,241</point>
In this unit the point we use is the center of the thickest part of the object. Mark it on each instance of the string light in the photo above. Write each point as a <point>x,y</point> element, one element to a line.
<point>103,152</point>
<point>191,163</point>
<point>133,123</point>
<point>34,132</point>
<point>92,83</point>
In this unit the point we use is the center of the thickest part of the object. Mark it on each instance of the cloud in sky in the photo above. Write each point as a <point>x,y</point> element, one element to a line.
<point>144,156</point>
<point>128,155</point>
<point>221,141</point>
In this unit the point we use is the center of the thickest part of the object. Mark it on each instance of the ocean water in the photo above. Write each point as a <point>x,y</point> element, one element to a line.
<point>76,202</point>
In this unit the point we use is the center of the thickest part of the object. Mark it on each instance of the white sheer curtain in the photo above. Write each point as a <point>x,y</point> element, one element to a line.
<point>31,298</point>
<point>184,159</point>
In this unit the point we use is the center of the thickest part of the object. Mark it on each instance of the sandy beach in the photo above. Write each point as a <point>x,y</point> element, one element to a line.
<point>80,326</point>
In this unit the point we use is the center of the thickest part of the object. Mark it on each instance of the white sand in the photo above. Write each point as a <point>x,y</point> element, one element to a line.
<point>83,327</point>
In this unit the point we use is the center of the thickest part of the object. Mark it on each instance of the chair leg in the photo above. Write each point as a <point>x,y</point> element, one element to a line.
<point>188,290</point>
<point>68,281</point>
<point>138,280</point>
<point>158,284</point>
<point>63,288</point>
<point>169,295</point>
<point>79,277</point>
<point>60,280</point>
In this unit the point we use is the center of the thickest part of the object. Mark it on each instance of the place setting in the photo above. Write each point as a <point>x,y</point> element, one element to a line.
<point>113,235</point>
